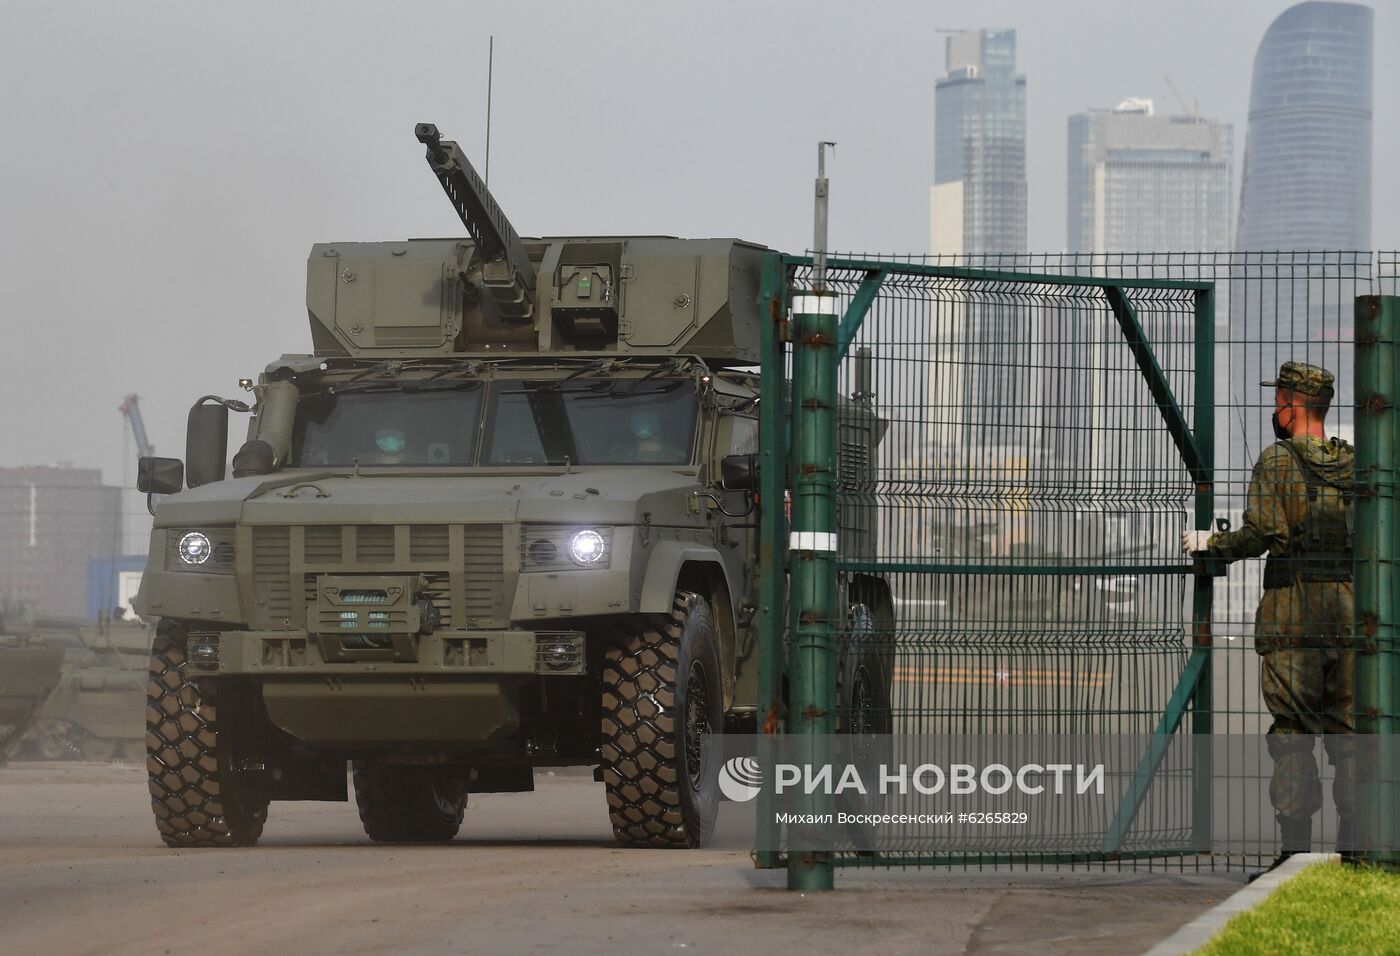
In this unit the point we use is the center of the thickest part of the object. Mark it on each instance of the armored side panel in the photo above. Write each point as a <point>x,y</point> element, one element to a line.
<point>698,296</point>
<point>385,298</point>
<point>28,674</point>
<point>425,297</point>
<point>96,709</point>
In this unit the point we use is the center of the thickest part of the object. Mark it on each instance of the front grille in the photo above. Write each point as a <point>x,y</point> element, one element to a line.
<point>287,562</point>
<point>323,544</point>
<point>429,542</point>
<point>374,543</point>
<point>483,556</point>
<point>272,566</point>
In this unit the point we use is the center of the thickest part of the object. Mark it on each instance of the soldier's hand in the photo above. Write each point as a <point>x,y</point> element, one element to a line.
<point>1194,542</point>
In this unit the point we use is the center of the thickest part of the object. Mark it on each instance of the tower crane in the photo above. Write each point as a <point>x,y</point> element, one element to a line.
<point>132,411</point>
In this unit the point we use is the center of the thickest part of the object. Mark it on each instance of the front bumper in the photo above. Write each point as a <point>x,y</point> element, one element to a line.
<point>297,654</point>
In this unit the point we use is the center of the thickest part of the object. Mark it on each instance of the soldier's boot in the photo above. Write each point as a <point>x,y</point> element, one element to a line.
<point>1348,844</point>
<point>1297,835</point>
<point>1297,838</point>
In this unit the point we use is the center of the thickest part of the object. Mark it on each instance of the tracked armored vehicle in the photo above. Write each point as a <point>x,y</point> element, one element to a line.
<point>501,518</point>
<point>29,671</point>
<point>95,712</point>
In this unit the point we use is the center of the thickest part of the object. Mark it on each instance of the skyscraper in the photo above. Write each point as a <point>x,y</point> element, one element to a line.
<point>979,154</point>
<point>1139,182</point>
<point>1307,159</point>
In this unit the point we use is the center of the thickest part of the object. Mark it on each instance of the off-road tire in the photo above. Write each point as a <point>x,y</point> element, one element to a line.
<point>661,789</point>
<point>195,802</point>
<point>409,803</point>
<point>863,692</point>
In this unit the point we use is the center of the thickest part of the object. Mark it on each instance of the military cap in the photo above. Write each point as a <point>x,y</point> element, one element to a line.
<point>1304,378</point>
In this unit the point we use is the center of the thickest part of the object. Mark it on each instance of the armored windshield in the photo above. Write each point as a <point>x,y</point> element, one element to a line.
<point>591,423</point>
<point>387,427</point>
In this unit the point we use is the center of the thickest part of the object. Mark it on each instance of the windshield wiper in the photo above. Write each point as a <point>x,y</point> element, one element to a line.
<point>601,366</point>
<point>621,388</point>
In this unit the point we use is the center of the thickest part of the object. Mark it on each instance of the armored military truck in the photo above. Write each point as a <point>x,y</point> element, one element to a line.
<point>29,671</point>
<point>501,518</point>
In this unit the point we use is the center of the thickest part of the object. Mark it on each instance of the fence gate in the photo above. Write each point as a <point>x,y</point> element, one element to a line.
<point>1016,457</point>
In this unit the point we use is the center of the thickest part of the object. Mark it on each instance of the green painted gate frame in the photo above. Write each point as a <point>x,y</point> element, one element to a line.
<point>1376,571</point>
<point>1195,445</point>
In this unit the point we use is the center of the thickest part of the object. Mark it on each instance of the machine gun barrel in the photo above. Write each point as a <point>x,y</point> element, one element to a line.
<point>507,271</point>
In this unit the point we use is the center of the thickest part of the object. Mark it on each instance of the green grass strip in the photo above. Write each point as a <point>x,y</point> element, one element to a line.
<point>1325,910</point>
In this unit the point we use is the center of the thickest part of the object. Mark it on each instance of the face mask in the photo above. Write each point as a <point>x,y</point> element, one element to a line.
<point>390,444</point>
<point>1280,432</point>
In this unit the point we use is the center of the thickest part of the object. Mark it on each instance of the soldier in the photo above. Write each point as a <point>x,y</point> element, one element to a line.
<point>648,446</point>
<point>1298,512</point>
<point>389,447</point>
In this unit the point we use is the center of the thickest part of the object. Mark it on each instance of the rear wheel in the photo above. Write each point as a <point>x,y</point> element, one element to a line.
<point>196,798</point>
<point>410,803</point>
<point>661,701</point>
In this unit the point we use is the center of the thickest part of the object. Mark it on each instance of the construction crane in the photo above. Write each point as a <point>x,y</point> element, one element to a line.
<point>132,411</point>
<point>1194,109</point>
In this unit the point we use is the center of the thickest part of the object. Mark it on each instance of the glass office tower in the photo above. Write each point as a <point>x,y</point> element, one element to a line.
<point>1307,163</point>
<point>979,162</point>
<point>1142,182</point>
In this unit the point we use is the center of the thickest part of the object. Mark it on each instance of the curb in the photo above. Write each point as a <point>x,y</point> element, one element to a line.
<point>1203,928</point>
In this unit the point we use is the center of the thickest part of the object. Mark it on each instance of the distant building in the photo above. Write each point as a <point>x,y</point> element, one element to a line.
<point>1140,182</point>
<point>978,202</point>
<point>53,520</point>
<point>1307,159</point>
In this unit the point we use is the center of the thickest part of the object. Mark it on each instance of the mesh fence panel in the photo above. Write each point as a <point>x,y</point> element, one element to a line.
<point>1027,503</point>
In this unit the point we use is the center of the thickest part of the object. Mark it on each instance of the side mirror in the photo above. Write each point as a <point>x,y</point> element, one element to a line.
<point>160,476</point>
<point>206,444</point>
<point>738,472</point>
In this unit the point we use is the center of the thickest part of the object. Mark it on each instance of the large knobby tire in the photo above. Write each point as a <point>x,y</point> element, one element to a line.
<point>194,799</point>
<point>863,692</point>
<point>409,803</point>
<point>661,701</point>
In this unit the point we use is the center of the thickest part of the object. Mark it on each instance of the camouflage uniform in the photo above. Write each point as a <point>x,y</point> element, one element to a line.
<point>1302,629</point>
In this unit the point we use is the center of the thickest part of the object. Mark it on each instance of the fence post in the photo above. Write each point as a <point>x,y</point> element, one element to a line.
<point>812,548</point>
<point>1374,635</point>
<point>772,545</point>
<point>1203,585</point>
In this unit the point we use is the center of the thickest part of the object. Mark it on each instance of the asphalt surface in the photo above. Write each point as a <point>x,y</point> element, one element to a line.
<point>82,871</point>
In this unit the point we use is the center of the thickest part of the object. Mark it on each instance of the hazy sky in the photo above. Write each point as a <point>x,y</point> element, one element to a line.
<point>167,166</point>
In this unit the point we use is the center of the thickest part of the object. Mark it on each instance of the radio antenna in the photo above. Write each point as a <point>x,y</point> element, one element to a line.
<point>490,69</point>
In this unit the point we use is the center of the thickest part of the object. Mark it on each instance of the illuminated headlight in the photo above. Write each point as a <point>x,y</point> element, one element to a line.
<point>545,547</point>
<point>587,547</point>
<point>194,548</point>
<point>206,550</point>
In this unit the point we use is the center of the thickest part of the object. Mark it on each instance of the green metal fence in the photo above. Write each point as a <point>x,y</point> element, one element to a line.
<point>1051,425</point>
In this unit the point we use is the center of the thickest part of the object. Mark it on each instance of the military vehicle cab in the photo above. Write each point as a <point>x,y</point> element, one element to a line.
<point>501,518</point>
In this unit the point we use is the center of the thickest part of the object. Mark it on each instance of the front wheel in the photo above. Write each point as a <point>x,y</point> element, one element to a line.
<point>196,799</point>
<point>661,701</point>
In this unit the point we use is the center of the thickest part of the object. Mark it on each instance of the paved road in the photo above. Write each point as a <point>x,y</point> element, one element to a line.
<point>81,871</point>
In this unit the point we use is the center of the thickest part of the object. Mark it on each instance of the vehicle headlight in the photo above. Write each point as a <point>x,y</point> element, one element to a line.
<point>194,548</point>
<point>546,547</point>
<point>587,547</point>
<point>200,550</point>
